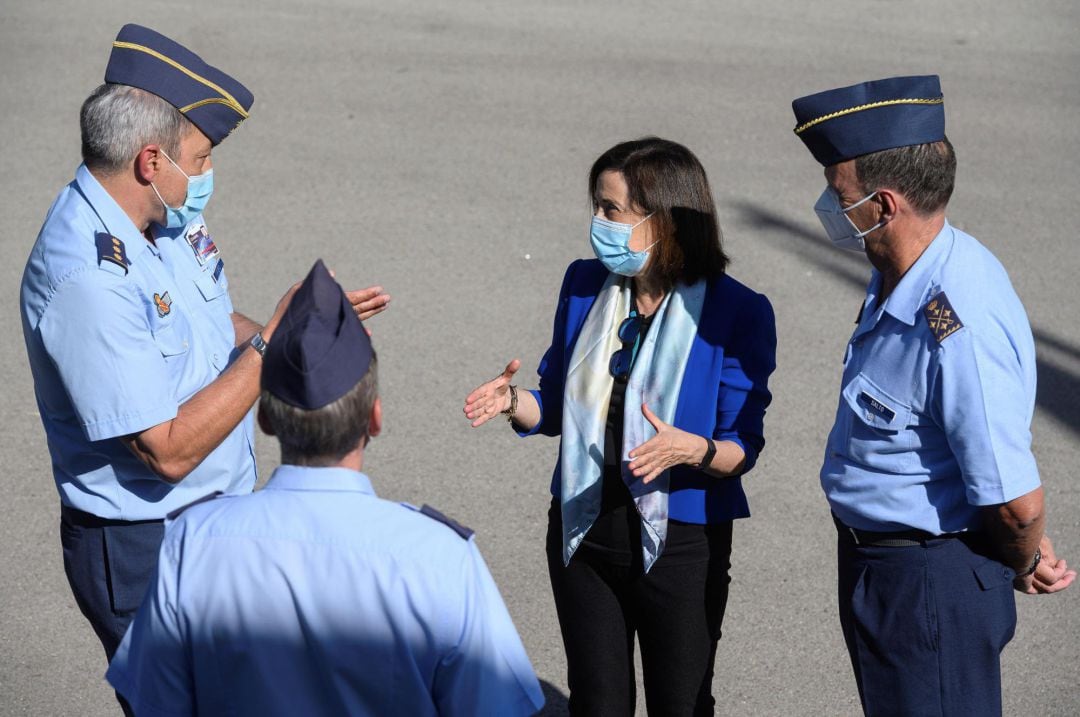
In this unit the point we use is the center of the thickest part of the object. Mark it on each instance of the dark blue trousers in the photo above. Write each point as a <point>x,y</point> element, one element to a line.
<point>925,626</point>
<point>109,564</point>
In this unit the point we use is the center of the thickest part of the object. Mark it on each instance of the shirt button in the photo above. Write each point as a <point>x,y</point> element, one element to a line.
<point>869,417</point>
<point>215,357</point>
<point>185,344</point>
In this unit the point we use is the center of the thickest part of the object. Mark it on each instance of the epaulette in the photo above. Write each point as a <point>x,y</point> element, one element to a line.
<point>455,526</point>
<point>941,317</point>
<point>111,249</point>
<point>173,515</point>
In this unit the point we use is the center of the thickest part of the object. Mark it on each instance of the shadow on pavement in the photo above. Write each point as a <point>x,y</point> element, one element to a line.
<point>555,702</point>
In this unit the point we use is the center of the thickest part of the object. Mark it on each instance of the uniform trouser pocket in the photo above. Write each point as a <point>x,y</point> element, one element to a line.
<point>109,568</point>
<point>925,626</point>
<point>131,552</point>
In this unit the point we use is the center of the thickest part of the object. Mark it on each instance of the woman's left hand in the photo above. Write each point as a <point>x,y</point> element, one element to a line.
<point>669,447</point>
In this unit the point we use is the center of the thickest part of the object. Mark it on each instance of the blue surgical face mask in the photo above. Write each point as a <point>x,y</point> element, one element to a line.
<point>199,189</point>
<point>838,225</point>
<point>611,244</point>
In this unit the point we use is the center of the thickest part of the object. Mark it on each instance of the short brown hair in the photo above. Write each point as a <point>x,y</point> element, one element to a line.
<point>665,179</point>
<point>325,435</point>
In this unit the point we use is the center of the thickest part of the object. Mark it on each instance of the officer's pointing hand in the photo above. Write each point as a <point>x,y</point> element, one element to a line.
<point>669,447</point>
<point>368,302</point>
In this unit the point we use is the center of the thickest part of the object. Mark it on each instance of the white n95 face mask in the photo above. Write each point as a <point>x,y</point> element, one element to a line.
<point>838,225</point>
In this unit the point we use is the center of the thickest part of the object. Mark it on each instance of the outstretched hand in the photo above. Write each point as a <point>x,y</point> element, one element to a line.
<point>368,302</point>
<point>669,447</point>
<point>492,398</point>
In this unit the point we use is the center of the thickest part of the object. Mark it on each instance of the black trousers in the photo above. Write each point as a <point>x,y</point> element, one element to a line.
<point>675,610</point>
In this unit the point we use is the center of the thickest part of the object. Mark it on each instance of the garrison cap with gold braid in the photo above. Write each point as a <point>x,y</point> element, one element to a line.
<point>841,124</point>
<point>320,351</point>
<point>213,101</point>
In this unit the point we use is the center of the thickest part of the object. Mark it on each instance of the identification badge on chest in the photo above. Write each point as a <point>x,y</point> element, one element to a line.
<point>875,406</point>
<point>202,244</point>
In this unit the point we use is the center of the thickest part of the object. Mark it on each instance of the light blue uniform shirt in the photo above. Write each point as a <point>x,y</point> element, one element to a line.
<point>315,597</point>
<point>114,352</point>
<point>937,397</point>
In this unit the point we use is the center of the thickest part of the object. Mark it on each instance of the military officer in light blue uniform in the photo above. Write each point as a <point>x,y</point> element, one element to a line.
<point>313,596</point>
<point>142,369</point>
<point>928,468</point>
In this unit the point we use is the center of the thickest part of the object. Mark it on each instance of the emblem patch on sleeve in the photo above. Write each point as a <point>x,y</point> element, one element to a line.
<point>202,244</point>
<point>164,304</point>
<point>111,249</point>
<point>942,318</point>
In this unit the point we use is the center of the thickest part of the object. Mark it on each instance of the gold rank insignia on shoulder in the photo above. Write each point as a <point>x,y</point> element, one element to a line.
<point>164,304</point>
<point>941,317</point>
<point>111,249</point>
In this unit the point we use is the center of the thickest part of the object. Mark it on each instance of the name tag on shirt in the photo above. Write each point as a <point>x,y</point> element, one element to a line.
<point>877,406</point>
<point>200,242</point>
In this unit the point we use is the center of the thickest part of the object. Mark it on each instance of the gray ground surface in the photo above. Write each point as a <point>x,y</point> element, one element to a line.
<point>433,147</point>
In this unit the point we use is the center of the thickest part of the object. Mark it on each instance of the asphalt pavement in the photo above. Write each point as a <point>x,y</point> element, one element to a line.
<point>442,149</point>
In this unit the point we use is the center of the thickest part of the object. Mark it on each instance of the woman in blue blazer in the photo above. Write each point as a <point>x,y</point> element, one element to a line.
<point>656,382</point>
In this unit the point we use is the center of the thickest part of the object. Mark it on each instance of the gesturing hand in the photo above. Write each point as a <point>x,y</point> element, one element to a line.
<point>368,302</point>
<point>491,398</point>
<point>669,447</point>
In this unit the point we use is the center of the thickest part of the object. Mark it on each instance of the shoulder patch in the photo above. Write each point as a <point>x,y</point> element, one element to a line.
<point>111,249</point>
<point>173,515</point>
<point>941,317</point>
<point>457,527</point>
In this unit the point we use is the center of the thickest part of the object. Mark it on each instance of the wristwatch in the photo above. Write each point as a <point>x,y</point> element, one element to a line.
<point>258,344</point>
<point>710,451</point>
<point>1034,564</point>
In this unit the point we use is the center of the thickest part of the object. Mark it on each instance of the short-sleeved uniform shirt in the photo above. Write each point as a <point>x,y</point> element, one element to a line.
<point>314,597</point>
<point>937,396</point>
<point>119,333</point>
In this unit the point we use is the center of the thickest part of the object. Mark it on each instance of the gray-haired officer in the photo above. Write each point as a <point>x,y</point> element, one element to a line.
<point>928,468</point>
<point>313,596</point>
<point>142,369</point>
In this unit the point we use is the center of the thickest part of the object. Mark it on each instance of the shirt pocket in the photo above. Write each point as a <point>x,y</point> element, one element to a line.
<point>880,436</point>
<point>170,341</point>
<point>209,288</point>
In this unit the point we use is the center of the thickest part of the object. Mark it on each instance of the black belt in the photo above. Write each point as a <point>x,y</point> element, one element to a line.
<point>89,520</point>
<point>892,539</point>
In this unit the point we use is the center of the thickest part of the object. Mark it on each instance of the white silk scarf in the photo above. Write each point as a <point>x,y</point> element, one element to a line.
<point>655,379</point>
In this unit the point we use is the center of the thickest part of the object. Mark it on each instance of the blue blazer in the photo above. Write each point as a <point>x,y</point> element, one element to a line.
<point>724,391</point>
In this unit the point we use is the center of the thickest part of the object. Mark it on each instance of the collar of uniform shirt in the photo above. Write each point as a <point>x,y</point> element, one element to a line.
<point>116,221</point>
<point>289,477</point>
<point>910,295</point>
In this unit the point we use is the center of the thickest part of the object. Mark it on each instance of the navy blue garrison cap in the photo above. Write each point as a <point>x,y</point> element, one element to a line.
<point>213,101</point>
<point>841,124</point>
<point>320,350</point>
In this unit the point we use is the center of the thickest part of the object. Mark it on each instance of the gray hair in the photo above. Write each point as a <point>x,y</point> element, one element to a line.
<point>325,435</point>
<point>117,121</point>
<point>924,173</point>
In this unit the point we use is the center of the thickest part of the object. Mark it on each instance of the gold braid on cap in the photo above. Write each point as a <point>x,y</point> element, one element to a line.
<point>851,110</point>
<point>225,99</point>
